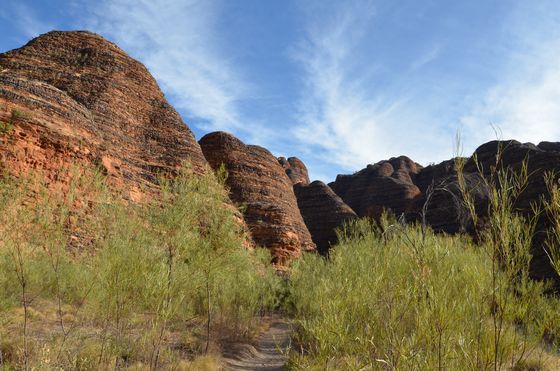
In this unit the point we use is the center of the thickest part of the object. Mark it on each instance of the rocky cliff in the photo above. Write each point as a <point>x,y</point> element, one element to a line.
<point>432,194</point>
<point>74,96</point>
<point>323,212</point>
<point>386,185</point>
<point>541,159</point>
<point>260,185</point>
<point>295,169</point>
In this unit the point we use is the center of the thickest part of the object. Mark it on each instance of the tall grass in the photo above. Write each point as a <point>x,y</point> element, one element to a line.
<point>379,303</point>
<point>401,297</point>
<point>552,208</point>
<point>89,281</point>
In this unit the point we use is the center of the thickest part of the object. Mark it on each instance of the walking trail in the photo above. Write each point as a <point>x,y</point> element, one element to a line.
<point>268,354</point>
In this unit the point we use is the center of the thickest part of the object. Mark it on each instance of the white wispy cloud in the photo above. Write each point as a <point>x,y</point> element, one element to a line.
<point>347,119</point>
<point>525,102</point>
<point>526,108</point>
<point>431,54</point>
<point>356,107</point>
<point>344,117</point>
<point>183,44</point>
<point>179,42</point>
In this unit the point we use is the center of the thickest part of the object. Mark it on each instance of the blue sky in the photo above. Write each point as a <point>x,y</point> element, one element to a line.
<point>339,84</point>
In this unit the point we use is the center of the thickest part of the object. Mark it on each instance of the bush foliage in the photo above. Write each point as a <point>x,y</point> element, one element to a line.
<point>394,296</point>
<point>88,281</point>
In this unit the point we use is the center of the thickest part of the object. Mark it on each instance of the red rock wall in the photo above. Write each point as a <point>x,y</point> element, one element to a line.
<point>43,128</point>
<point>260,186</point>
<point>84,93</point>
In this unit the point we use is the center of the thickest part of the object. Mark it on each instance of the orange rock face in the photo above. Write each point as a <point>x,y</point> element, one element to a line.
<point>259,184</point>
<point>75,97</point>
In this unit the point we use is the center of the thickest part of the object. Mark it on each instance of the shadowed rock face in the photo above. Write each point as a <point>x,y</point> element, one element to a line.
<point>387,185</point>
<point>443,208</point>
<point>433,192</point>
<point>258,182</point>
<point>440,204</point>
<point>550,146</point>
<point>445,213</point>
<point>295,169</point>
<point>323,212</point>
<point>79,97</point>
<point>540,159</point>
<point>435,174</point>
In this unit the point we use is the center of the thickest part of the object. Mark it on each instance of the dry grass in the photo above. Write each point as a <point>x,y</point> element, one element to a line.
<point>169,280</point>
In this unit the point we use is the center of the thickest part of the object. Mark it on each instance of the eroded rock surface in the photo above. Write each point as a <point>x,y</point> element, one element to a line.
<point>323,212</point>
<point>74,96</point>
<point>539,160</point>
<point>386,185</point>
<point>295,169</point>
<point>259,184</point>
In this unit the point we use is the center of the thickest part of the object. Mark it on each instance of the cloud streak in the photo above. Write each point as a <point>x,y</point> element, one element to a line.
<point>375,79</point>
<point>179,42</point>
<point>525,103</point>
<point>350,117</point>
<point>344,117</point>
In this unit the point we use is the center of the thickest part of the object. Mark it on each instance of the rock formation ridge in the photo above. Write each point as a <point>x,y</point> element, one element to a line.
<point>259,183</point>
<point>78,96</point>
<point>74,97</point>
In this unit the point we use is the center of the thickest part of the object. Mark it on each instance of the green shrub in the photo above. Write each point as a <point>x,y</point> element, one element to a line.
<point>401,297</point>
<point>552,208</point>
<point>19,114</point>
<point>176,263</point>
<point>378,302</point>
<point>6,128</point>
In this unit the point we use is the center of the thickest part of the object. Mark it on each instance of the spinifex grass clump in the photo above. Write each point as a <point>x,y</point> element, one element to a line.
<point>156,284</point>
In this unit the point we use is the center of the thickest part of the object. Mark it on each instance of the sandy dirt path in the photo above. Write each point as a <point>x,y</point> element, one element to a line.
<point>268,354</point>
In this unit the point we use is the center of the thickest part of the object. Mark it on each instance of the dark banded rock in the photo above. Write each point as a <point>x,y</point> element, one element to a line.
<point>323,212</point>
<point>258,183</point>
<point>80,97</point>
<point>295,169</point>
<point>386,185</point>
<point>539,160</point>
